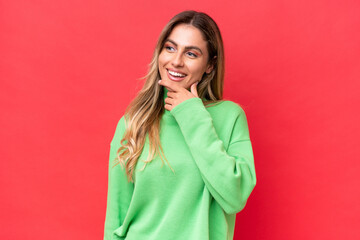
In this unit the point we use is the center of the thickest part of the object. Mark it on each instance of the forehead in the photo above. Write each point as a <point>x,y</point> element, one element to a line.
<point>188,35</point>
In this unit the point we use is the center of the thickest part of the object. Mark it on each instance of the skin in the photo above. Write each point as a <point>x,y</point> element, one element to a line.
<point>192,62</point>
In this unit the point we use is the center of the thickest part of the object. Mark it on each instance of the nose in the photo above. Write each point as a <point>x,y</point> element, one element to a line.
<point>177,60</point>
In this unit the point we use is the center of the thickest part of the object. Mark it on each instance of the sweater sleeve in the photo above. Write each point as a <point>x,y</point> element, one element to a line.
<point>229,174</point>
<point>119,189</point>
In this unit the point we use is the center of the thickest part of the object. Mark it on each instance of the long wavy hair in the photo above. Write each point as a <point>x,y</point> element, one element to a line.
<point>143,114</point>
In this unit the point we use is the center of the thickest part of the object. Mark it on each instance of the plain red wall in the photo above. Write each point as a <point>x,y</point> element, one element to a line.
<point>70,68</point>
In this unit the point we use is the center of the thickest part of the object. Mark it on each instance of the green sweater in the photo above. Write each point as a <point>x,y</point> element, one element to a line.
<point>211,154</point>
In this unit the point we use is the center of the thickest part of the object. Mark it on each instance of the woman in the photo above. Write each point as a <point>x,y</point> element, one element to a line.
<point>204,140</point>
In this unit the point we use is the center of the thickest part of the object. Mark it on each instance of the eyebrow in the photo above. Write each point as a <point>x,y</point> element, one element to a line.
<point>186,48</point>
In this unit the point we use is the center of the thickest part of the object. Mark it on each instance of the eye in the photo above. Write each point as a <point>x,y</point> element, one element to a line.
<point>192,54</point>
<point>168,47</point>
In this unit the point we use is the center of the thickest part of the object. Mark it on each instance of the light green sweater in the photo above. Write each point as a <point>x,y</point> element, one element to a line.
<point>211,153</point>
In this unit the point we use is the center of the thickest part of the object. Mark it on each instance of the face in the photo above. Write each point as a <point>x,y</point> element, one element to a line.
<point>184,57</point>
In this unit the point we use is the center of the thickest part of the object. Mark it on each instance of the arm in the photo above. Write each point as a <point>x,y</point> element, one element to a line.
<point>229,174</point>
<point>119,189</point>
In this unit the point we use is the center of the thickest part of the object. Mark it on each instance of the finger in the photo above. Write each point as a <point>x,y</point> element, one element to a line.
<point>193,89</point>
<point>170,85</point>
<point>170,94</point>
<point>168,101</point>
<point>167,84</point>
<point>167,107</point>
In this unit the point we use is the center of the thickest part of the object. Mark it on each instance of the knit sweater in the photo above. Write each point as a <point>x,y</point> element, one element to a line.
<point>210,152</point>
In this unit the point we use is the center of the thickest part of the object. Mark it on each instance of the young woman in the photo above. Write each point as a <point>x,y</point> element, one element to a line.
<point>183,121</point>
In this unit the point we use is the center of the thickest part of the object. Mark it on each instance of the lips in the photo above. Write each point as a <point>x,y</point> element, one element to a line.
<point>175,78</point>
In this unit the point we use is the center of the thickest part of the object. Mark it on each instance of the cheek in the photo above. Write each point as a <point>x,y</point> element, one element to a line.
<point>197,69</point>
<point>163,59</point>
<point>160,60</point>
<point>161,64</point>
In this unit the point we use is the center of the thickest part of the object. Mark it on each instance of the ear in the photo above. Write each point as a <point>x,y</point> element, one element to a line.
<point>209,69</point>
<point>211,65</point>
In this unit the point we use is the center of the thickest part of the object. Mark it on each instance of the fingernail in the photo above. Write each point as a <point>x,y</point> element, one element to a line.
<point>159,81</point>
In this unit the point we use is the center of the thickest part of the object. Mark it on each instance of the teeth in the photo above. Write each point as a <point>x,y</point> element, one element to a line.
<point>176,74</point>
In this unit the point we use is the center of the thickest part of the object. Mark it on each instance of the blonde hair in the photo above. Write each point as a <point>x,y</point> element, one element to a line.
<point>143,114</point>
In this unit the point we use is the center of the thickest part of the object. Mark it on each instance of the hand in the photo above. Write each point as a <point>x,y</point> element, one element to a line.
<point>177,94</point>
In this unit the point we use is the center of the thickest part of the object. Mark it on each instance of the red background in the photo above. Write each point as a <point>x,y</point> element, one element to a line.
<point>70,68</point>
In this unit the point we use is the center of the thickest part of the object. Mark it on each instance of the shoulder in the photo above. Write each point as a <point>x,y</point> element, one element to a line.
<point>226,108</point>
<point>119,130</point>
<point>120,124</point>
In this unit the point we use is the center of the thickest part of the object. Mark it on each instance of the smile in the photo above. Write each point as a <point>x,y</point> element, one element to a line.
<point>175,76</point>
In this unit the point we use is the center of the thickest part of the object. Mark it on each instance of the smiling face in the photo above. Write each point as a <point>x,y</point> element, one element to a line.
<point>184,57</point>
